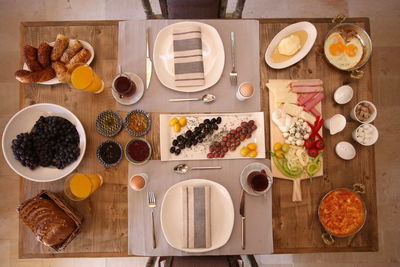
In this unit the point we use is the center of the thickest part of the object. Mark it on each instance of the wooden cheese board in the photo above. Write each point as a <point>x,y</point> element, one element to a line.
<point>277,136</point>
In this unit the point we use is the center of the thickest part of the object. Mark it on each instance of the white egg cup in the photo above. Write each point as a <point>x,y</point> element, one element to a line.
<point>145,178</point>
<point>345,150</point>
<point>370,119</point>
<point>241,97</point>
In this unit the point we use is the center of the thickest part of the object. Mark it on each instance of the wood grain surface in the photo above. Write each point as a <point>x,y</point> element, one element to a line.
<point>104,232</point>
<point>296,225</point>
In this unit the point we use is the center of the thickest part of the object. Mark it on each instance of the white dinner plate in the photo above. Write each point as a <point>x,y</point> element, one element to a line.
<point>300,26</point>
<point>199,152</point>
<point>222,215</point>
<point>23,121</point>
<point>213,56</point>
<point>138,94</point>
<point>55,80</point>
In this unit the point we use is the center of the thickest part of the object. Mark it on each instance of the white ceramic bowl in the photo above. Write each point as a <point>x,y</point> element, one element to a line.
<point>374,134</point>
<point>23,121</point>
<point>371,118</point>
<point>335,124</point>
<point>343,94</point>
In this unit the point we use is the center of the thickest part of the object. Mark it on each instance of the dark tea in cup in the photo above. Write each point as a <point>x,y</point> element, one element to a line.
<point>258,180</point>
<point>124,86</point>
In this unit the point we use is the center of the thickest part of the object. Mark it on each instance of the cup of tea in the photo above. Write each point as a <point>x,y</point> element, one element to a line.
<point>124,86</point>
<point>258,181</point>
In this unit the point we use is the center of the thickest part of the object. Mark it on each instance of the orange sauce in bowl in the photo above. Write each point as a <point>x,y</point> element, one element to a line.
<point>342,212</point>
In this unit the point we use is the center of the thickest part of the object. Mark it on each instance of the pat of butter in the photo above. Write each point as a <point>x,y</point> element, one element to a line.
<point>290,45</point>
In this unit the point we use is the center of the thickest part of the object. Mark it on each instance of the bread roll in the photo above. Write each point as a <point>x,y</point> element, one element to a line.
<point>74,47</point>
<point>25,76</point>
<point>31,58</point>
<point>50,224</point>
<point>59,47</point>
<point>61,71</point>
<point>44,52</point>
<point>81,57</point>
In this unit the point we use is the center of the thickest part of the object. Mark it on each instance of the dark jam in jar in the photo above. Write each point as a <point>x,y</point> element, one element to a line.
<point>125,86</point>
<point>258,180</point>
<point>110,153</point>
<point>138,150</point>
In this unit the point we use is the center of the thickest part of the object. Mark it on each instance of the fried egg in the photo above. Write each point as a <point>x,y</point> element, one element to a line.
<point>341,54</point>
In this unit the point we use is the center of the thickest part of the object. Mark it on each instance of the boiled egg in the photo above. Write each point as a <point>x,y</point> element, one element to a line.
<point>341,54</point>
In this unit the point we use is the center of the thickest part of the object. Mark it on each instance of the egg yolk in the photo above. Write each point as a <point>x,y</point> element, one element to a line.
<point>351,50</point>
<point>337,48</point>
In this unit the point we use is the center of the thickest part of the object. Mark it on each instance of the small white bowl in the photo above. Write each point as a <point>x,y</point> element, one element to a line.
<point>343,94</point>
<point>374,134</point>
<point>345,150</point>
<point>371,118</point>
<point>335,124</point>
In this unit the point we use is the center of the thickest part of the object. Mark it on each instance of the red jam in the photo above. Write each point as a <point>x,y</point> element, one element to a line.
<point>138,150</point>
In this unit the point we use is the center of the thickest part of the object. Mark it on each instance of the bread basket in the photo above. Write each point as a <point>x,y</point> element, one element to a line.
<point>63,206</point>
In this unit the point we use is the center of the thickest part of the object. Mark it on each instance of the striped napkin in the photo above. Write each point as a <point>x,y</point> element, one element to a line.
<point>196,216</point>
<point>188,58</point>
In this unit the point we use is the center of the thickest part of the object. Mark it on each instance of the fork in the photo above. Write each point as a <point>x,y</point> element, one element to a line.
<point>151,199</point>
<point>233,74</point>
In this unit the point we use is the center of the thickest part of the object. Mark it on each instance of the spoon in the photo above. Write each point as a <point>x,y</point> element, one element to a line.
<point>183,168</point>
<point>207,98</point>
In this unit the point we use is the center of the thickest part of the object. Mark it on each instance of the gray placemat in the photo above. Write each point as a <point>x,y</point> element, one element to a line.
<point>132,58</point>
<point>161,177</point>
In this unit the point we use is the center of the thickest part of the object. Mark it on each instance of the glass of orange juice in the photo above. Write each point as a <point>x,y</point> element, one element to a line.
<point>83,77</point>
<point>80,186</point>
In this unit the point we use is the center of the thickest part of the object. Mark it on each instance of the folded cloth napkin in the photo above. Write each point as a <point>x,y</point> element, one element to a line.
<point>196,216</point>
<point>188,58</point>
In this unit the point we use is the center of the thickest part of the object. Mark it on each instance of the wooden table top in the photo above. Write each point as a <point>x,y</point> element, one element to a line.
<point>296,227</point>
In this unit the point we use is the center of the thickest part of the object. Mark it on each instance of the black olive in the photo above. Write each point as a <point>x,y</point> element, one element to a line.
<point>172,149</point>
<point>181,146</point>
<point>207,121</point>
<point>177,151</point>
<point>213,120</point>
<point>219,120</point>
<point>202,125</point>
<point>188,133</point>
<point>215,126</point>
<point>175,142</point>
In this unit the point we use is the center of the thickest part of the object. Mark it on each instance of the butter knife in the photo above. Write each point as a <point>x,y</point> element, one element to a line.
<point>149,64</point>
<point>241,210</point>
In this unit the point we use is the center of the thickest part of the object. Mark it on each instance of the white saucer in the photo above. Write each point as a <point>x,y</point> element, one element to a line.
<point>138,94</point>
<point>255,166</point>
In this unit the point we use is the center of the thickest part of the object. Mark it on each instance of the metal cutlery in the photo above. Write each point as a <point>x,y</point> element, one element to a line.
<point>149,64</point>
<point>151,199</point>
<point>184,168</point>
<point>241,210</point>
<point>233,74</point>
<point>207,98</point>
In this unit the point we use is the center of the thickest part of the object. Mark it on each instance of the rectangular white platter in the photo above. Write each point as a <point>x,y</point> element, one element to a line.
<point>199,152</point>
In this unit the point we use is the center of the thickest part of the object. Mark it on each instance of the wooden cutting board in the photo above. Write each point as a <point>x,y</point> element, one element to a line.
<point>276,136</point>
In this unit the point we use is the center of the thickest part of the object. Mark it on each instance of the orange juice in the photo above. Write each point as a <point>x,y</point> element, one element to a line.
<point>84,78</point>
<point>80,186</point>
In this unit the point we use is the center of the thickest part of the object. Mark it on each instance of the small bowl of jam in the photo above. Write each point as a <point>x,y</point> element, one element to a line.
<point>109,153</point>
<point>138,151</point>
<point>137,123</point>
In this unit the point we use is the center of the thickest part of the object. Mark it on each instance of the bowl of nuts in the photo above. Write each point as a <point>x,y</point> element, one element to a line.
<point>364,112</point>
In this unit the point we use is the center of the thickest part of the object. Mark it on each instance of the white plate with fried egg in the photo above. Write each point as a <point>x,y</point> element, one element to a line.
<point>291,45</point>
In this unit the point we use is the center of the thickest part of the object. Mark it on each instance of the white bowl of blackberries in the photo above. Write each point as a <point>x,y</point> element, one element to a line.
<point>44,142</point>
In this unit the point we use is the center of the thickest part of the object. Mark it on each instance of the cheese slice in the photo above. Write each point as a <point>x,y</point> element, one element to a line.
<point>307,116</point>
<point>281,93</point>
<point>292,110</point>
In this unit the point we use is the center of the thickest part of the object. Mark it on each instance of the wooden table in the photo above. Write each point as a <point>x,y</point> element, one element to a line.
<point>295,224</point>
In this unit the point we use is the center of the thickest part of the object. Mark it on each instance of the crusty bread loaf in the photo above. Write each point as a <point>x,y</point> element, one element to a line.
<point>26,76</point>
<point>59,47</point>
<point>81,57</point>
<point>44,52</point>
<point>74,47</point>
<point>31,58</point>
<point>50,224</point>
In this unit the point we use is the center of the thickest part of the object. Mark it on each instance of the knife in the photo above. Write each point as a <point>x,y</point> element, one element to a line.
<point>241,210</point>
<point>149,64</point>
